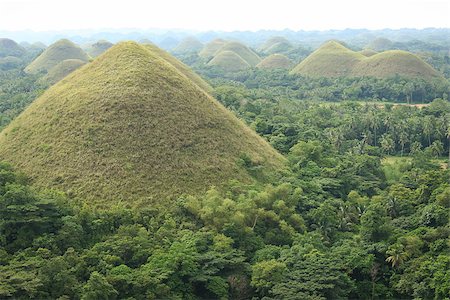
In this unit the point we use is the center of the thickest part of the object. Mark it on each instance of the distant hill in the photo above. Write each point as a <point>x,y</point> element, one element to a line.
<point>54,54</point>
<point>275,61</point>
<point>380,44</point>
<point>211,48</point>
<point>62,69</point>
<point>368,52</point>
<point>11,48</point>
<point>189,44</point>
<point>10,62</point>
<point>275,45</point>
<point>243,51</point>
<point>393,62</point>
<point>229,61</point>
<point>334,60</point>
<point>181,67</point>
<point>98,48</point>
<point>129,126</point>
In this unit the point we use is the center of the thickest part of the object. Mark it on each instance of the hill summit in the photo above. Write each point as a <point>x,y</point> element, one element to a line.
<point>334,60</point>
<point>54,54</point>
<point>10,48</point>
<point>128,126</point>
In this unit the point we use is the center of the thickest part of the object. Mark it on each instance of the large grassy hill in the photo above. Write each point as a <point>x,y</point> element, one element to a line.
<point>331,60</point>
<point>181,67</point>
<point>54,54</point>
<point>393,62</point>
<point>229,61</point>
<point>243,51</point>
<point>275,61</point>
<point>335,60</point>
<point>10,48</point>
<point>129,126</point>
<point>211,48</point>
<point>98,48</point>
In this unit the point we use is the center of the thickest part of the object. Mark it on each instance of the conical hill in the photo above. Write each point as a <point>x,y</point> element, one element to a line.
<point>275,61</point>
<point>128,126</point>
<point>54,54</point>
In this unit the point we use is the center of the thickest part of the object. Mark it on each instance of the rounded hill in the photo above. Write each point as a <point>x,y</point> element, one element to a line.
<point>229,61</point>
<point>211,48</point>
<point>62,69</point>
<point>380,44</point>
<point>275,61</point>
<point>189,44</point>
<point>393,62</point>
<point>276,44</point>
<point>98,48</point>
<point>130,126</point>
<point>241,50</point>
<point>11,48</point>
<point>332,59</point>
<point>54,54</point>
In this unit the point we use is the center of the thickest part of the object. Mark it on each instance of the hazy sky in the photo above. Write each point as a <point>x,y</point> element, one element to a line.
<point>226,15</point>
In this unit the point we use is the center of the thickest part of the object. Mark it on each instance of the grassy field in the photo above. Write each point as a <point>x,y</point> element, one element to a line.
<point>63,69</point>
<point>130,126</point>
<point>395,166</point>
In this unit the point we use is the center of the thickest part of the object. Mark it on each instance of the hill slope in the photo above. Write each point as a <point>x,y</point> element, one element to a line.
<point>275,61</point>
<point>331,60</point>
<point>62,69</point>
<point>10,48</point>
<point>54,54</point>
<point>130,126</point>
<point>393,62</point>
<point>189,44</point>
<point>243,51</point>
<point>229,61</point>
<point>276,44</point>
<point>334,60</point>
<point>98,48</point>
<point>181,67</point>
<point>211,48</point>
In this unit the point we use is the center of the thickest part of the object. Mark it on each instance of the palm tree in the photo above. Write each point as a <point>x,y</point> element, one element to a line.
<point>397,255</point>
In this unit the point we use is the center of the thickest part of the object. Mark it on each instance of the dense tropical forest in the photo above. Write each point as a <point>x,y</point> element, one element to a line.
<point>359,210</point>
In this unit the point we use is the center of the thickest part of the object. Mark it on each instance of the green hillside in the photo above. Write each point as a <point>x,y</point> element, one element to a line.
<point>393,62</point>
<point>54,54</point>
<point>276,44</point>
<point>189,44</point>
<point>98,48</point>
<point>62,69</point>
<point>275,61</point>
<point>10,48</point>
<point>181,67</point>
<point>128,126</point>
<point>334,60</point>
<point>211,48</point>
<point>243,51</point>
<point>9,62</point>
<point>331,60</point>
<point>229,61</point>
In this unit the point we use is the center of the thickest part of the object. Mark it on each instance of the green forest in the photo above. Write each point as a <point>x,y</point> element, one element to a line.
<point>341,187</point>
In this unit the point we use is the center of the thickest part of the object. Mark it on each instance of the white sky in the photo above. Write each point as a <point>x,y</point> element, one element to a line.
<point>228,15</point>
